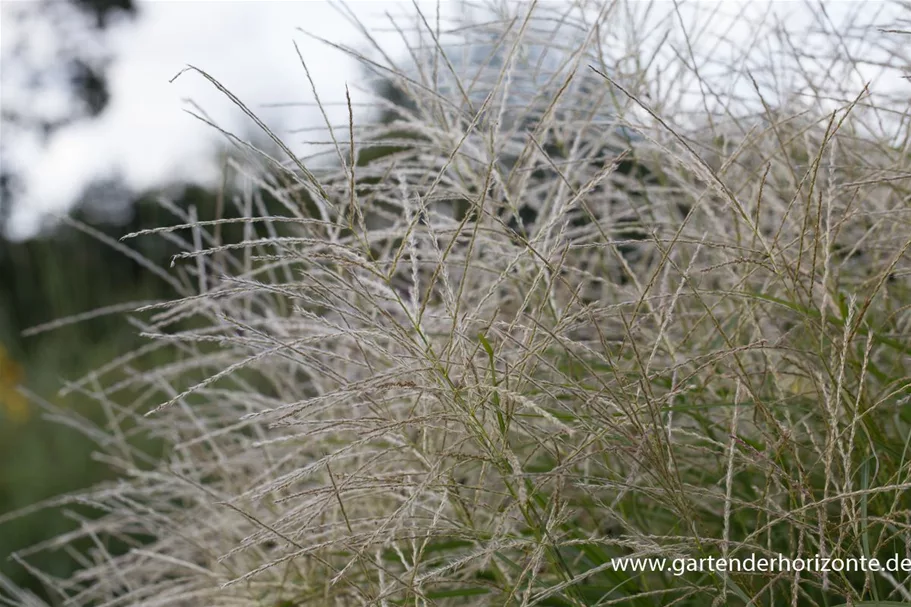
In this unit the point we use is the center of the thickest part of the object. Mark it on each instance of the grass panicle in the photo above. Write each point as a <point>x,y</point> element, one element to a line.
<point>594,282</point>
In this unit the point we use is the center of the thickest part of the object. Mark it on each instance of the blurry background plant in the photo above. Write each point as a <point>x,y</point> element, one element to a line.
<point>536,317</point>
<point>56,59</point>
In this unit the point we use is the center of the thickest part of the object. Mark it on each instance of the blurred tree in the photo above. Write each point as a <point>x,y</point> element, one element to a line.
<point>53,72</point>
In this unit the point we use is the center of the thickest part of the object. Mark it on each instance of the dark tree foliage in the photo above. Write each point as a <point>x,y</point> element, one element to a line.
<point>102,10</point>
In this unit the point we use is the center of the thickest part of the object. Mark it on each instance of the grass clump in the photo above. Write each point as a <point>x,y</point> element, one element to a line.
<point>603,294</point>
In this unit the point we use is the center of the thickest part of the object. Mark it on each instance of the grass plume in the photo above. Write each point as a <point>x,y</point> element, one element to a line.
<point>599,284</point>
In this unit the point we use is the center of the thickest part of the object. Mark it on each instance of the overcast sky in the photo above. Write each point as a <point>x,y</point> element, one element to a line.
<point>146,138</point>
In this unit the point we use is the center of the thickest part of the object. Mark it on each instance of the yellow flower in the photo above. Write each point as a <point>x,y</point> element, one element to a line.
<point>11,399</point>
